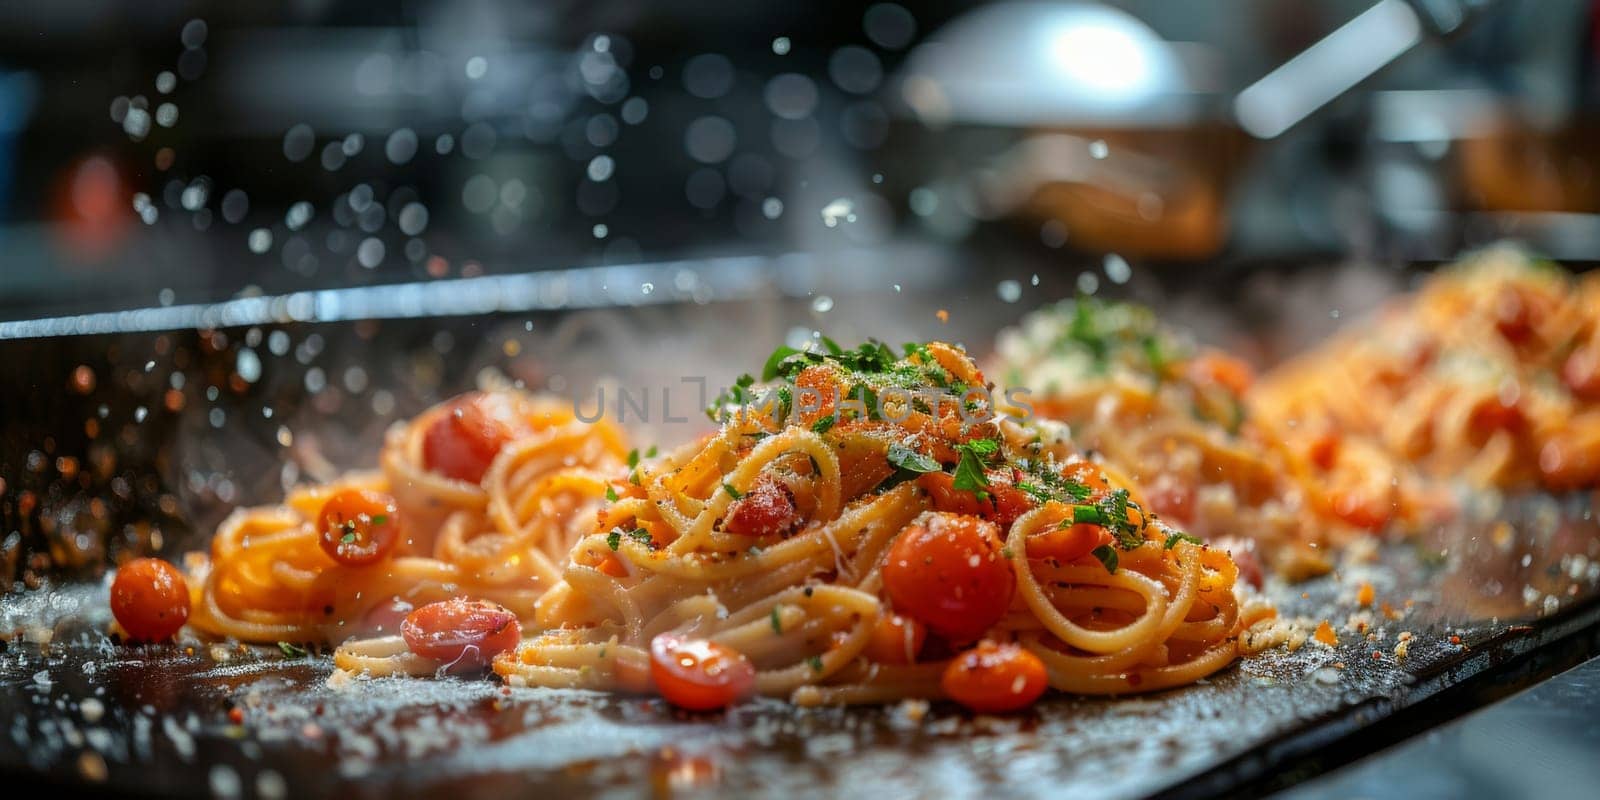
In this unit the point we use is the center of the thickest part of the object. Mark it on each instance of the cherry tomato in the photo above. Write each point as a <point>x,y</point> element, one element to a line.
<point>150,599</point>
<point>1069,544</point>
<point>1512,317</point>
<point>1171,498</point>
<point>462,442</point>
<point>1222,370</point>
<point>995,678</point>
<point>1324,450</point>
<point>357,527</point>
<point>947,572</point>
<point>1245,557</point>
<point>896,640</point>
<point>1357,508</point>
<point>768,508</point>
<point>699,675</point>
<point>1581,373</point>
<point>462,633</point>
<point>1002,502</point>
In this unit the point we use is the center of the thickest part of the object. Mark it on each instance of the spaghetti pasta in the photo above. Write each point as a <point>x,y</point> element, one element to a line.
<point>1489,374</point>
<point>1172,416</point>
<point>503,537</point>
<point>801,544</point>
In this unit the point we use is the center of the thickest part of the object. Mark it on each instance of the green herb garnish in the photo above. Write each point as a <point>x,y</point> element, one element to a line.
<point>815,662</point>
<point>292,650</point>
<point>906,458</point>
<point>1179,536</point>
<point>732,492</point>
<point>1108,557</point>
<point>823,425</point>
<point>633,458</point>
<point>777,622</point>
<point>611,493</point>
<point>614,540</point>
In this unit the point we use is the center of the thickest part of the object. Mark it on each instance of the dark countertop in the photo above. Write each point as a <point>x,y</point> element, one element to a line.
<point>1543,743</point>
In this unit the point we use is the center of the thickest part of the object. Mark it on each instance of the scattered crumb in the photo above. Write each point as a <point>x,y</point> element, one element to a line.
<point>1325,634</point>
<point>91,766</point>
<point>1364,595</point>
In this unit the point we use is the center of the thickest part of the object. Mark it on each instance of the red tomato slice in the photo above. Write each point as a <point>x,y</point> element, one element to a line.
<point>461,633</point>
<point>357,527</point>
<point>947,572</point>
<point>1002,502</point>
<point>150,599</point>
<point>699,675</point>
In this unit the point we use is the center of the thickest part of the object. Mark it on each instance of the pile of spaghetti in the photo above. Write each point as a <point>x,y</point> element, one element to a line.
<point>1172,416</point>
<point>1490,374</point>
<point>845,538</point>
<point>482,496</point>
<point>862,528</point>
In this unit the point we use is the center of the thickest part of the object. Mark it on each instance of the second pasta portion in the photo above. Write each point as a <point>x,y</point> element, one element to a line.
<point>850,536</point>
<point>1172,415</point>
<point>1489,375</point>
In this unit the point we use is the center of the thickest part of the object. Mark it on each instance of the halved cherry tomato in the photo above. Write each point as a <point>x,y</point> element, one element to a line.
<point>699,675</point>
<point>357,527</point>
<point>995,678</point>
<point>462,442</point>
<point>1002,502</point>
<point>768,508</point>
<point>150,599</point>
<point>896,640</point>
<point>461,633</point>
<point>946,571</point>
<point>1069,544</point>
<point>1172,498</point>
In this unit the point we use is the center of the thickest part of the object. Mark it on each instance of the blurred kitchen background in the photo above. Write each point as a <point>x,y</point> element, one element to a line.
<point>167,153</point>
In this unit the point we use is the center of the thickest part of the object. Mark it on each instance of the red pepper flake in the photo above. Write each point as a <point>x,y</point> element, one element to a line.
<point>1377,656</point>
<point>236,715</point>
<point>1455,640</point>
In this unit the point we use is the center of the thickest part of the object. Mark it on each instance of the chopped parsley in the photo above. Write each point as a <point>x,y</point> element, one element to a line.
<point>348,538</point>
<point>815,662</point>
<point>291,650</point>
<point>823,425</point>
<point>642,536</point>
<point>633,458</point>
<point>380,519</point>
<point>614,540</point>
<point>1115,507</point>
<point>908,459</point>
<point>611,493</point>
<point>651,453</point>
<point>777,622</point>
<point>1108,557</point>
<point>1179,536</point>
<point>732,492</point>
<point>970,476</point>
<point>737,395</point>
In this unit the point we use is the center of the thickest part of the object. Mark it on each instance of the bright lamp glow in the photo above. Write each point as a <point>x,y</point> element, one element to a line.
<point>1102,57</point>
